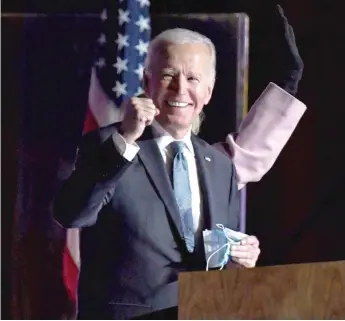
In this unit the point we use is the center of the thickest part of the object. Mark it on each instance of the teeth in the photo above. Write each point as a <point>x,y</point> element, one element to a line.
<point>177,104</point>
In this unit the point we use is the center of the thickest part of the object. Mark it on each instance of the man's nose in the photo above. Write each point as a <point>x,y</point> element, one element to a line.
<point>180,84</point>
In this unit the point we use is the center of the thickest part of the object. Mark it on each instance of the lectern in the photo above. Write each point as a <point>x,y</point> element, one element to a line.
<point>296,291</point>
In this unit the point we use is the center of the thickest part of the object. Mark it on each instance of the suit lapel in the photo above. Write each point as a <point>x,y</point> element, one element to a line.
<point>206,168</point>
<point>151,158</point>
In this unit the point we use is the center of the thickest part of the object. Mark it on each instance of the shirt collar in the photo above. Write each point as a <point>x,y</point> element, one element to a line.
<point>163,138</point>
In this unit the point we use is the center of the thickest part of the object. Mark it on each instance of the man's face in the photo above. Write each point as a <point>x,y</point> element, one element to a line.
<point>180,83</point>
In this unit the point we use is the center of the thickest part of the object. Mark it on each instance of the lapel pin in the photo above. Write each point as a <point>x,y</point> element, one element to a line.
<point>207,159</point>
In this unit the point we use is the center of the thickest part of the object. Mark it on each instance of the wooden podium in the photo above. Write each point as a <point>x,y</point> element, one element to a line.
<point>296,291</point>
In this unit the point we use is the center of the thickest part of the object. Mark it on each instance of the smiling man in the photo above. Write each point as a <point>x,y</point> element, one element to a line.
<point>179,78</point>
<point>143,190</point>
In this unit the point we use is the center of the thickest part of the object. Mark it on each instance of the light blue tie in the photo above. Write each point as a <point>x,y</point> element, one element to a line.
<point>183,195</point>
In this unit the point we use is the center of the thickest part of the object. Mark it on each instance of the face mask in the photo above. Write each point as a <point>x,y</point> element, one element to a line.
<point>217,244</point>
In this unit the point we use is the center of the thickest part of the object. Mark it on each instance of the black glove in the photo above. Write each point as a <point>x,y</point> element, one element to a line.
<point>290,62</point>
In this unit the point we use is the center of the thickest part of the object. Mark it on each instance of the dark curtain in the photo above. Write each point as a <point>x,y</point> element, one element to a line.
<point>48,69</point>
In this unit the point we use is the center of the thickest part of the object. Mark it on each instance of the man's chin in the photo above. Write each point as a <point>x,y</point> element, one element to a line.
<point>176,114</point>
<point>171,120</point>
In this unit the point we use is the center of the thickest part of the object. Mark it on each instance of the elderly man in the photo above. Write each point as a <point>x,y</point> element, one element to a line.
<point>143,190</point>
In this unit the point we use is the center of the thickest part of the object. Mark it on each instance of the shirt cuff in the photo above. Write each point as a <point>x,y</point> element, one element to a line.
<point>128,151</point>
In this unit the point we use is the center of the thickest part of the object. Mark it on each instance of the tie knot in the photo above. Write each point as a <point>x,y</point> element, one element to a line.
<point>177,147</point>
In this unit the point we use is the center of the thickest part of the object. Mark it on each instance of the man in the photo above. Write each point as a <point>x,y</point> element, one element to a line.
<point>269,123</point>
<point>144,190</point>
<point>96,190</point>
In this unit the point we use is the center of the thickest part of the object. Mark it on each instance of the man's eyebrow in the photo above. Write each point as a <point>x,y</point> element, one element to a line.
<point>193,73</point>
<point>168,69</point>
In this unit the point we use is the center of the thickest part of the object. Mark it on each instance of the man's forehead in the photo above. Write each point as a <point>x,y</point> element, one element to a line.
<point>171,50</point>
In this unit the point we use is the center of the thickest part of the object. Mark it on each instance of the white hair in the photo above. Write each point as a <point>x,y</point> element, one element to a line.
<point>180,36</point>
<point>197,122</point>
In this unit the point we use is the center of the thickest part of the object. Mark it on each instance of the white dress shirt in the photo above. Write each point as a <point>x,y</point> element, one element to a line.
<point>163,140</point>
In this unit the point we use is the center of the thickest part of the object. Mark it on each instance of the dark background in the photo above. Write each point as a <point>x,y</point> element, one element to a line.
<point>298,209</point>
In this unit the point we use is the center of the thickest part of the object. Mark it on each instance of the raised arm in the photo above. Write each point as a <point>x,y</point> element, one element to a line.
<point>274,116</point>
<point>263,134</point>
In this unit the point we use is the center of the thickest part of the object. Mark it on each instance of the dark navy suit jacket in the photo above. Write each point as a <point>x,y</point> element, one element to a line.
<point>131,236</point>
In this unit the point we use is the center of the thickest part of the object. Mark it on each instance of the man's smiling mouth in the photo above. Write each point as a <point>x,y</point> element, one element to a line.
<point>179,104</point>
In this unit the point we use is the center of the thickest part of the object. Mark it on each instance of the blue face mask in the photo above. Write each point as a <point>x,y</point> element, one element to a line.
<point>217,244</point>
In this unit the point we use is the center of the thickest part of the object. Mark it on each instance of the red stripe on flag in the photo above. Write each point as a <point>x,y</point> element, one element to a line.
<point>70,275</point>
<point>70,269</point>
<point>90,122</point>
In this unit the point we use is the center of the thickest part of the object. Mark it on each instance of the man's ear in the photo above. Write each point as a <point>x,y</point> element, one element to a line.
<point>209,93</point>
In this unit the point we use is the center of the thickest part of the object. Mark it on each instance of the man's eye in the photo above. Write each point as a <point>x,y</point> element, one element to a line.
<point>194,79</point>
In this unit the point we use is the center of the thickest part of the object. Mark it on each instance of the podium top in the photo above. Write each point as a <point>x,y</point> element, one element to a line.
<point>296,291</point>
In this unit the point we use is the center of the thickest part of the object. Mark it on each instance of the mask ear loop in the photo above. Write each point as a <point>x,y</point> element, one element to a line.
<point>208,260</point>
<point>220,226</point>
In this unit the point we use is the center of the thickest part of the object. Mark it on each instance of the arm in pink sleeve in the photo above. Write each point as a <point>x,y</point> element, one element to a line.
<point>263,134</point>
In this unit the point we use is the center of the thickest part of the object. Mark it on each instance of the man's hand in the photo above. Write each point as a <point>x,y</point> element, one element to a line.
<point>139,113</point>
<point>247,252</point>
<point>290,59</point>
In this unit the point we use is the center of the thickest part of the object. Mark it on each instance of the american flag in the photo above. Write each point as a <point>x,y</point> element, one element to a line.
<point>116,75</point>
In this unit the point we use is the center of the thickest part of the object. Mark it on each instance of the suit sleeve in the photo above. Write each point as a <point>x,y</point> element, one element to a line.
<point>263,134</point>
<point>91,184</point>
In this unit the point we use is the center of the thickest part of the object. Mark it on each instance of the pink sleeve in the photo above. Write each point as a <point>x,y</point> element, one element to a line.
<point>263,133</point>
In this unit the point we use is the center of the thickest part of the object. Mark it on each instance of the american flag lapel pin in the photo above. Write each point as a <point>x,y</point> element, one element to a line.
<point>207,159</point>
